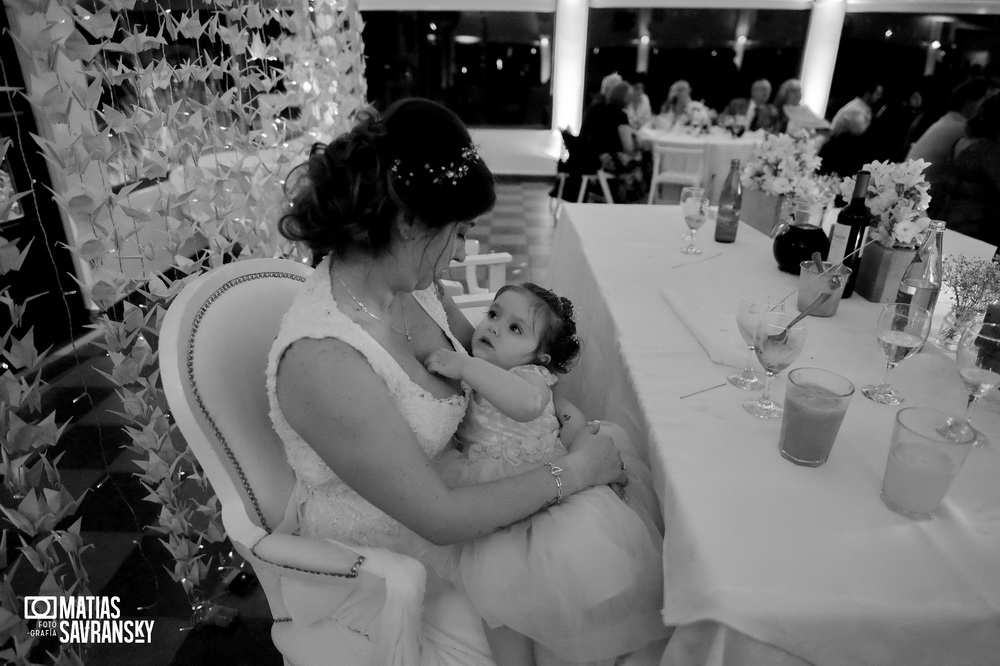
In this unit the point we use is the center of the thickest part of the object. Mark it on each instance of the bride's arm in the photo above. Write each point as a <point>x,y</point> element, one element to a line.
<point>331,396</point>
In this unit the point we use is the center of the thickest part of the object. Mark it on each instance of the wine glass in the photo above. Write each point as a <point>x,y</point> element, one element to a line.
<point>776,349</point>
<point>902,330</point>
<point>978,358</point>
<point>752,304</point>
<point>694,205</point>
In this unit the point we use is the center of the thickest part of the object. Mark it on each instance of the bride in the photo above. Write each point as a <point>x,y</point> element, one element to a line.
<point>384,208</point>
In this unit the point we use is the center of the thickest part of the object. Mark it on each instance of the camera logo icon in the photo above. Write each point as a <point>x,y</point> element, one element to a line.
<point>40,608</point>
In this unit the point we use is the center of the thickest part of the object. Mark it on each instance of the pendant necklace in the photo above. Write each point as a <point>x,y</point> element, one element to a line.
<point>361,306</point>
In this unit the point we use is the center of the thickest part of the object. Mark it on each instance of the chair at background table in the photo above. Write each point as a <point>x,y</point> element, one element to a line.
<point>676,163</point>
<point>329,600</point>
<point>581,168</point>
<point>472,298</point>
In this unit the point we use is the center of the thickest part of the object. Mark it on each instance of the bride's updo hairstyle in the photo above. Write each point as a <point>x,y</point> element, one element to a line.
<point>417,159</point>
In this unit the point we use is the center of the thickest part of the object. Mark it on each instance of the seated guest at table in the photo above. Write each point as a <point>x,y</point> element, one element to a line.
<point>601,98</point>
<point>526,341</point>
<point>607,133</point>
<point>755,112</point>
<point>971,208</point>
<point>679,109</point>
<point>855,116</point>
<point>937,144</point>
<point>360,417</point>
<point>848,149</point>
<point>792,114</point>
<point>639,111</point>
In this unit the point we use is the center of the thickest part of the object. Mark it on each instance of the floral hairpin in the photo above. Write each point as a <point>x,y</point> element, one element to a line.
<point>450,173</point>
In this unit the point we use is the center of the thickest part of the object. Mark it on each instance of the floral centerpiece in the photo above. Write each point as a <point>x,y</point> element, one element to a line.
<point>781,166</point>
<point>695,117</point>
<point>897,197</point>
<point>975,285</point>
<point>781,163</point>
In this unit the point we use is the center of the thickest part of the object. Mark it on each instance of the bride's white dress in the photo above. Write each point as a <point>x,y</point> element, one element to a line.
<point>328,507</point>
<point>450,632</point>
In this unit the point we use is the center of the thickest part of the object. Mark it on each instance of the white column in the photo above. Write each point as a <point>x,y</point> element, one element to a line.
<point>570,63</point>
<point>825,25</point>
<point>933,46</point>
<point>642,55</point>
<point>740,39</point>
<point>545,53</point>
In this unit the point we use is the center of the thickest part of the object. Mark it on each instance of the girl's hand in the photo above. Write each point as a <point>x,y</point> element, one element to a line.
<point>594,460</point>
<point>446,363</point>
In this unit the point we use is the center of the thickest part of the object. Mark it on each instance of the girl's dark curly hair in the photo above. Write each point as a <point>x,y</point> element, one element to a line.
<point>348,194</point>
<point>558,339</point>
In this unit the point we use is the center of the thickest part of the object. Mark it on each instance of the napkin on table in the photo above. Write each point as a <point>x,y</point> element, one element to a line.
<point>713,327</point>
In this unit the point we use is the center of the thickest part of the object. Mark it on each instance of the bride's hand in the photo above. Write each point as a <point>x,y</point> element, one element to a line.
<point>594,460</point>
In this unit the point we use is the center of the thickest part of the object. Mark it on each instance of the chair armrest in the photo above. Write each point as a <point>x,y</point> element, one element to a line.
<point>321,560</point>
<point>484,259</point>
<point>497,263</point>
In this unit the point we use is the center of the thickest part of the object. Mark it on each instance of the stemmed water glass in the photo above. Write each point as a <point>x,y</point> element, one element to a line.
<point>902,330</point>
<point>694,205</point>
<point>777,347</point>
<point>752,304</point>
<point>978,357</point>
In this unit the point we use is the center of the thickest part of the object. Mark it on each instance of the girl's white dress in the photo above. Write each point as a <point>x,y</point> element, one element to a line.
<point>583,578</point>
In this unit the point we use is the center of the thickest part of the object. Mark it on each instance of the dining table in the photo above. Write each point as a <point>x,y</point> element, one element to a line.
<point>721,147</point>
<point>765,561</point>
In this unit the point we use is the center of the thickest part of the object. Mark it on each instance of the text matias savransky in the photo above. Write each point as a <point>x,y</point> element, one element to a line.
<point>85,619</point>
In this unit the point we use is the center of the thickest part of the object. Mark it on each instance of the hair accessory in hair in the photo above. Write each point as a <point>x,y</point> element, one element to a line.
<point>452,172</point>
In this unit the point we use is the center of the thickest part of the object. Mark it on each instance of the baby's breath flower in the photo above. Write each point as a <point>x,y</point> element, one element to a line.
<point>975,282</point>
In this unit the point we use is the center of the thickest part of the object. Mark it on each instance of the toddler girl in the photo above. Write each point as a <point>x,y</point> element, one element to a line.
<point>577,609</point>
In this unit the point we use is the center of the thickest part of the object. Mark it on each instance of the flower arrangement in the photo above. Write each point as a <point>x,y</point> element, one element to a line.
<point>785,164</point>
<point>975,282</point>
<point>897,197</point>
<point>696,116</point>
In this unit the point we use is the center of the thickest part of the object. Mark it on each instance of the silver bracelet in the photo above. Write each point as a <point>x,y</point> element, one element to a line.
<point>556,471</point>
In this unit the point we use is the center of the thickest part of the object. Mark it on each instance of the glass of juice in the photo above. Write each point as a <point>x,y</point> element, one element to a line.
<point>815,404</point>
<point>927,450</point>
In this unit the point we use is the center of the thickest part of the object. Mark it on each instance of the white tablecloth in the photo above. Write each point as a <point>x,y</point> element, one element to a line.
<point>766,561</point>
<point>720,149</point>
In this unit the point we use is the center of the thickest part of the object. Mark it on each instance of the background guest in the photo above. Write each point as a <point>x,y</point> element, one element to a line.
<point>639,110</point>
<point>792,114</point>
<point>975,179</point>
<point>849,148</point>
<point>679,109</point>
<point>755,112</point>
<point>601,98</point>
<point>606,132</point>
<point>855,116</point>
<point>938,143</point>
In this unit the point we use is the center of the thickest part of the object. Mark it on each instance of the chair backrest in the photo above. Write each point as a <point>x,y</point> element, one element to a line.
<point>582,159</point>
<point>678,161</point>
<point>214,344</point>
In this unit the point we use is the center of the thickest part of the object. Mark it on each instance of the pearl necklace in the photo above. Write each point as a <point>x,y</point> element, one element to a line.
<point>362,308</point>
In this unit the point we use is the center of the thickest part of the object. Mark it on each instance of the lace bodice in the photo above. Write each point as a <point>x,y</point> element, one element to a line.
<point>328,507</point>
<point>487,432</point>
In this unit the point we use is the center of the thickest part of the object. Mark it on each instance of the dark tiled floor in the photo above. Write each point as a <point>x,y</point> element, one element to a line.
<point>127,560</point>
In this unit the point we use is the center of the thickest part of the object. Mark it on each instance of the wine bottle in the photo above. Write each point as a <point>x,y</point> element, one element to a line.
<point>727,220</point>
<point>850,230</point>
<point>921,282</point>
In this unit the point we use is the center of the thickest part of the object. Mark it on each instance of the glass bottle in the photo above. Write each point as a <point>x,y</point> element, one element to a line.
<point>727,220</point>
<point>921,282</point>
<point>849,232</point>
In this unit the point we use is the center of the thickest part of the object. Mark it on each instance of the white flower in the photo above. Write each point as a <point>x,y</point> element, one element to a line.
<point>783,164</point>
<point>897,197</point>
